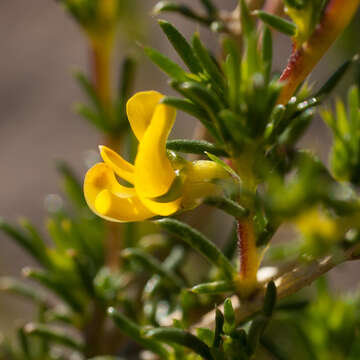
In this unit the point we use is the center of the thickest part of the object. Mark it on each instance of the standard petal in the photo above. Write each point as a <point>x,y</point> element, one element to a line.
<point>110,200</point>
<point>121,167</point>
<point>140,109</point>
<point>153,170</point>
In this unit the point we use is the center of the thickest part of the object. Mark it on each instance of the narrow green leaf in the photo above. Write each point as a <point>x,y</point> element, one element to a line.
<point>85,271</point>
<point>151,264</point>
<point>227,205</point>
<point>219,323</point>
<point>54,335</point>
<point>24,343</point>
<point>270,299</point>
<point>93,117</point>
<point>181,46</point>
<point>204,96</point>
<point>215,287</point>
<point>205,335</point>
<point>186,106</point>
<point>335,78</point>
<point>256,330</point>
<point>235,126</point>
<point>127,77</point>
<point>132,330</point>
<point>229,313</point>
<point>63,291</point>
<point>89,90</point>
<point>28,243</point>
<point>277,22</point>
<point>171,263</point>
<point>210,7</point>
<point>166,65</point>
<point>72,185</point>
<point>171,6</point>
<point>233,72</point>
<point>18,287</point>
<point>230,245</point>
<point>180,337</point>
<point>207,62</point>
<point>200,243</point>
<point>194,147</point>
<point>225,166</point>
<point>267,53</point>
<point>247,23</point>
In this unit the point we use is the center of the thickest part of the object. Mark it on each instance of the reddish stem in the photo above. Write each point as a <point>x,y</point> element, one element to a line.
<point>337,16</point>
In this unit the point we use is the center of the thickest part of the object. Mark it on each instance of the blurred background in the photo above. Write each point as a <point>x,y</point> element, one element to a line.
<point>40,48</point>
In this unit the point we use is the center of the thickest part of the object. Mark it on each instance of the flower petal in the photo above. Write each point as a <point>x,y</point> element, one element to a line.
<point>153,170</point>
<point>205,170</point>
<point>140,109</point>
<point>163,209</point>
<point>119,165</point>
<point>110,200</point>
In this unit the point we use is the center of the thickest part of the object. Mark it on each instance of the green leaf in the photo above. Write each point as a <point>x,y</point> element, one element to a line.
<point>219,323</point>
<point>334,79</point>
<point>54,335</point>
<point>90,91</point>
<point>132,330</point>
<point>224,166</point>
<point>62,290</point>
<point>277,22</point>
<point>267,53</point>
<point>171,263</point>
<point>93,117</point>
<point>29,243</point>
<point>180,337</point>
<point>215,287</point>
<point>247,23</point>
<point>205,335</point>
<point>227,205</point>
<point>181,46</point>
<point>194,147</point>
<point>18,287</point>
<point>166,65</point>
<point>170,6</point>
<point>233,73</point>
<point>235,126</point>
<point>127,77</point>
<point>229,314</point>
<point>200,243</point>
<point>72,185</point>
<point>210,8</point>
<point>186,106</point>
<point>151,264</point>
<point>270,299</point>
<point>207,62</point>
<point>256,330</point>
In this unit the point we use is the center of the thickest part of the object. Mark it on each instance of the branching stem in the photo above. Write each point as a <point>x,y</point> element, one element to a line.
<point>287,284</point>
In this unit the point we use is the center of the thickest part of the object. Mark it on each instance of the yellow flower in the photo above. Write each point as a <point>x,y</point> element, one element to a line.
<point>159,186</point>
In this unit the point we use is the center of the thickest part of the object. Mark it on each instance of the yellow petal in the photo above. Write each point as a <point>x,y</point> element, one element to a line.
<point>163,209</point>
<point>205,170</point>
<point>195,192</point>
<point>110,200</point>
<point>121,167</point>
<point>153,171</point>
<point>140,109</point>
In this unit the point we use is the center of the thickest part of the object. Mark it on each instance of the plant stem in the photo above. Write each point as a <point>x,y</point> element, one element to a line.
<point>248,253</point>
<point>287,284</point>
<point>337,16</point>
